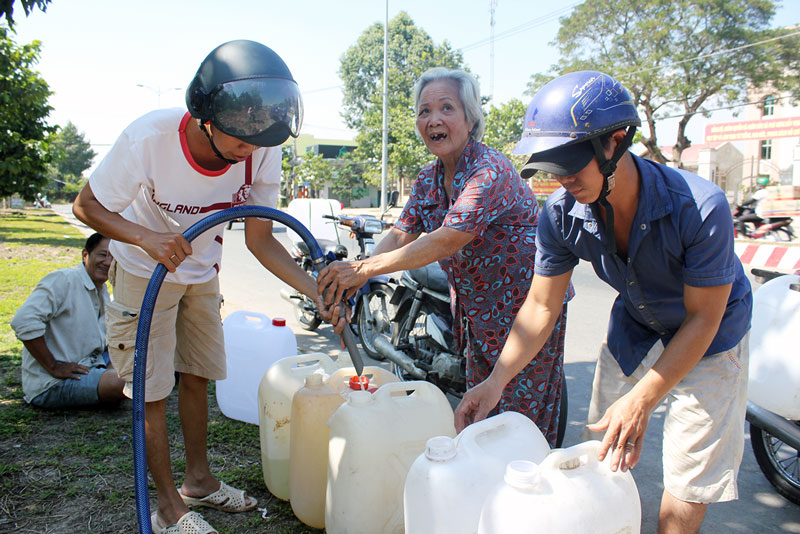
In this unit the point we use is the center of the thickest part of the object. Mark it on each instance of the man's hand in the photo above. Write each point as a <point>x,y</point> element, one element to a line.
<point>625,423</point>
<point>334,315</point>
<point>167,249</point>
<point>72,370</point>
<point>477,403</point>
<point>340,279</point>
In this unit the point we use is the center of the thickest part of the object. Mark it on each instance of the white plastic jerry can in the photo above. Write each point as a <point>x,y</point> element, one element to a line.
<point>312,407</point>
<point>275,393</point>
<point>449,482</point>
<point>253,342</point>
<point>374,439</point>
<point>569,492</point>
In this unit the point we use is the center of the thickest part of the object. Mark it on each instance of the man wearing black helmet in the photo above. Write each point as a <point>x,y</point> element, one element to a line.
<point>663,239</point>
<point>168,170</point>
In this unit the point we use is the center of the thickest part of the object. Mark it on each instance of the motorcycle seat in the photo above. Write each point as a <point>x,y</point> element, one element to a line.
<point>340,251</point>
<point>431,276</point>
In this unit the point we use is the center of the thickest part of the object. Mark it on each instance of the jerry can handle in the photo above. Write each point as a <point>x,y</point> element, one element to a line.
<point>565,459</point>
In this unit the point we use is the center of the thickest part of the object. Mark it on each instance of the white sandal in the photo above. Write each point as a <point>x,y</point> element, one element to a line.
<point>226,498</point>
<point>189,523</point>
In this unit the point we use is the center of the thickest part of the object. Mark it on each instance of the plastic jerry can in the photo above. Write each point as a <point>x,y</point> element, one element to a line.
<point>449,482</point>
<point>374,439</point>
<point>774,374</point>
<point>253,342</point>
<point>312,407</point>
<point>275,393</point>
<point>569,492</point>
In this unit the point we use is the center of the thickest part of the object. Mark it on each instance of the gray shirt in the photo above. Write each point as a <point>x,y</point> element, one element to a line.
<point>68,310</point>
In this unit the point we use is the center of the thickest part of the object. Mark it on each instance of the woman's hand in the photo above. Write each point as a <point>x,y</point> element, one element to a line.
<point>477,403</point>
<point>625,423</point>
<point>337,278</point>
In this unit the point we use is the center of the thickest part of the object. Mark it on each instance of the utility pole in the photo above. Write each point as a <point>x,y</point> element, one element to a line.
<point>385,141</point>
<point>492,6</point>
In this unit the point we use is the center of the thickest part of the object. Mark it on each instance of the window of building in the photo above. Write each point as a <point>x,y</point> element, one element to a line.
<point>769,106</point>
<point>766,149</point>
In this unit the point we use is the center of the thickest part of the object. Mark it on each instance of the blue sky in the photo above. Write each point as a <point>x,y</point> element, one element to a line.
<point>95,53</point>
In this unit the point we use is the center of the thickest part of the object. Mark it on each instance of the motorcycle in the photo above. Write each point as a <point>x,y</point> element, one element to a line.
<point>749,225</point>
<point>378,290</point>
<point>773,406</point>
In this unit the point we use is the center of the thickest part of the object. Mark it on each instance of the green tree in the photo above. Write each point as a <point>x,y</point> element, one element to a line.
<point>504,126</point>
<point>73,153</point>
<point>7,8</point>
<point>347,182</point>
<point>411,52</point>
<point>314,170</point>
<point>23,110</point>
<point>677,57</point>
<point>287,173</point>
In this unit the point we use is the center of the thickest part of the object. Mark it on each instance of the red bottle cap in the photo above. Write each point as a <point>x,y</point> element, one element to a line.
<point>359,383</point>
<point>279,321</point>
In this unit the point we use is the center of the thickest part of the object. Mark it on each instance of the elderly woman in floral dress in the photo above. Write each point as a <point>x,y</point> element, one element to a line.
<point>471,211</point>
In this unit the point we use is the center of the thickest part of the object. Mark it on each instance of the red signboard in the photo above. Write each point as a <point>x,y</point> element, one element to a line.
<point>748,130</point>
<point>544,187</point>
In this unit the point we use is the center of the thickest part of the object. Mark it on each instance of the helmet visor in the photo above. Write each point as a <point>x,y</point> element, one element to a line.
<point>259,111</point>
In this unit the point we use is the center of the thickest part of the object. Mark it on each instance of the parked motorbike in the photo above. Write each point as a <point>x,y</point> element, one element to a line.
<point>363,229</point>
<point>773,408</point>
<point>751,226</point>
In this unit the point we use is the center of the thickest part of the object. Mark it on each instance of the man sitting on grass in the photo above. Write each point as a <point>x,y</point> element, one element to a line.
<point>62,327</point>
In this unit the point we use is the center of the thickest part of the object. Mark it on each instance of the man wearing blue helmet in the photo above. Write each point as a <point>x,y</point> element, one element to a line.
<point>168,170</point>
<point>678,329</point>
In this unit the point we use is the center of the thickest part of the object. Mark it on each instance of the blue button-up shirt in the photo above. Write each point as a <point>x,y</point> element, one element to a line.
<point>681,235</point>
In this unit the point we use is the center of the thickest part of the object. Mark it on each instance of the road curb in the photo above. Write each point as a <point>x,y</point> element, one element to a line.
<point>779,257</point>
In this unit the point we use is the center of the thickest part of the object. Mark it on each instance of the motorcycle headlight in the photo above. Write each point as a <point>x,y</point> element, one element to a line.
<point>373,226</point>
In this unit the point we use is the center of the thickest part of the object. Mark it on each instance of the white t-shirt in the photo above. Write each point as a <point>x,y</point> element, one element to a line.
<point>150,178</point>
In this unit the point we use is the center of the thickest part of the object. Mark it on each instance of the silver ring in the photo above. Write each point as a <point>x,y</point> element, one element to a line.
<point>174,256</point>
<point>629,444</point>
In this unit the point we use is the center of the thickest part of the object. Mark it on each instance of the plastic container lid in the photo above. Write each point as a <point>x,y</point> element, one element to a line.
<point>279,321</point>
<point>440,449</point>
<point>359,383</point>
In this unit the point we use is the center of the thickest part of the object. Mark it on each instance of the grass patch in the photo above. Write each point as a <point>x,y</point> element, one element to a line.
<point>72,471</point>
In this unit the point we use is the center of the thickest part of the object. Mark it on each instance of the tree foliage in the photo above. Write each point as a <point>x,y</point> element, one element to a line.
<point>677,57</point>
<point>73,153</point>
<point>504,126</point>
<point>348,181</point>
<point>23,110</point>
<point>315,171</point>
<point>7,8</point>
<point>411,52</point>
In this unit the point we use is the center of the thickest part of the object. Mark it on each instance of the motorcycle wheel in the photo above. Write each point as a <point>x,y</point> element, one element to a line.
<point>779,462</point>
<point>374,318</point>
<point>783,234</point>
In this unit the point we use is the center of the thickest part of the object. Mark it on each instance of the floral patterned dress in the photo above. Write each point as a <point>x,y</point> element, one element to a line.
<point>490,277</point>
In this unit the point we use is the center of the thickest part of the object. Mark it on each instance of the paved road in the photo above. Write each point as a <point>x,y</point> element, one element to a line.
<point>247,286</point>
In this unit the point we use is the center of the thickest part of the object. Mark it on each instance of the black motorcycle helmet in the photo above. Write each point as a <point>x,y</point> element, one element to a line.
<point>246,91</point>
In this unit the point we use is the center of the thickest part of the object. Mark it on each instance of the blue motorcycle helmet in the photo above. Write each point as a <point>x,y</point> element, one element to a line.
<point>246,91</point>
<point>565,122</point>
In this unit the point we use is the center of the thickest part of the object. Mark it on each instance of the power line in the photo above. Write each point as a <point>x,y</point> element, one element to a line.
<point>539,21</point>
